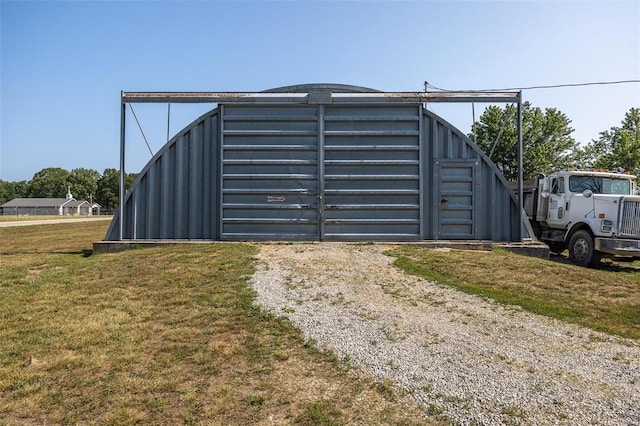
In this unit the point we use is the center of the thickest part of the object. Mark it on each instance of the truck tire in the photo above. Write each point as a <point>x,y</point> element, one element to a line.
<point>581,251</point>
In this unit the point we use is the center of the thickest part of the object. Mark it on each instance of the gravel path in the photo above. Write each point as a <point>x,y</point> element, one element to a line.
<point>467,358</point>
<point>52,221</point>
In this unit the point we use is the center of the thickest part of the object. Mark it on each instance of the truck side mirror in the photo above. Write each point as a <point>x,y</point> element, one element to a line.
<point>545,194</point>
<point>587,193</point>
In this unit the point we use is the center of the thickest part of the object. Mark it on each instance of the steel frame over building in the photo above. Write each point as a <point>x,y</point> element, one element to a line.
<point>319,162</point>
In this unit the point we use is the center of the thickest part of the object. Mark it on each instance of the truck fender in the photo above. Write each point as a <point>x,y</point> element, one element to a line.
<point>578,226</point>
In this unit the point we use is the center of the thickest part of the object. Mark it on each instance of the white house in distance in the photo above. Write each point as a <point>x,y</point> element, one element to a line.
<point>68,206</point>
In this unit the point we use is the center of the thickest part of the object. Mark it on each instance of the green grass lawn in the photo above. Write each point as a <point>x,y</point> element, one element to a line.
<point>170,335</point>
<point>606,299</point>
<point>164,335</point>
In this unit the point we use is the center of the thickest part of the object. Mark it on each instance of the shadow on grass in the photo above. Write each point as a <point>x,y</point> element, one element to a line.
<point>84,253</point>
<point>605,265</point>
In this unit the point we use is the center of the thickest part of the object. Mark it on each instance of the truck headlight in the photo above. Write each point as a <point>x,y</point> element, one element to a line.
<point>607,225</point>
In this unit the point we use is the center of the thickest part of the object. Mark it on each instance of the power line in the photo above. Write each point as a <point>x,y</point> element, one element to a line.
<point>552,86</point>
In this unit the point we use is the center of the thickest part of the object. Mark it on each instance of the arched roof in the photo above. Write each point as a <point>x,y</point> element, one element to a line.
<point>327,87</point>
<point>410,175</point>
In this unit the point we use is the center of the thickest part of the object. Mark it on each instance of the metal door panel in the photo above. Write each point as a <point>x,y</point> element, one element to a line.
<point>371,173</point>
<point>320,172</point>
<point>269,173</point>
<point>456,180</point>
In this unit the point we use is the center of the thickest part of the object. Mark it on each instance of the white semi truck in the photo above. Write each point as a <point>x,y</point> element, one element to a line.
<point>593,214</point>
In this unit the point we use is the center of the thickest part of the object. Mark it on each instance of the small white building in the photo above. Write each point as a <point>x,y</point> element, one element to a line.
<point>68,206</point>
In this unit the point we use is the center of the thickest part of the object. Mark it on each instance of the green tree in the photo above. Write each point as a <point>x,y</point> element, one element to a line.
<point>107,193</point>
<point>11,190</point>
<point>51,182</point>
<point>109,188</point>
<point>84,183</point>
<point>617,147</point>
<point>546,139</point>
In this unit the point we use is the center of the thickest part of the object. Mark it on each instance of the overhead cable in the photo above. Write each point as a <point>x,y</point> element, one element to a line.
<point>552,86</point>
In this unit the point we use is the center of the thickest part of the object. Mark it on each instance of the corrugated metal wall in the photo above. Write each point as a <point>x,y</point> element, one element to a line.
<point>468,198</point>
<point>176,195</point>
<point>319,172</point>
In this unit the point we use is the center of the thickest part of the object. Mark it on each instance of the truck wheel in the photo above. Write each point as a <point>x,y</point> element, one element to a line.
<point>581,251</point>
<point>556,248</point>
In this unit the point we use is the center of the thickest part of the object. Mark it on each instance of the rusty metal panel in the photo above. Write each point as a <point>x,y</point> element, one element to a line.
<point>311,93</point>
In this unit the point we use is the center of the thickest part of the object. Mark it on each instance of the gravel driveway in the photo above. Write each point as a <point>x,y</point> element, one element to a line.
<point>465,357</point>
<point>52,221</point>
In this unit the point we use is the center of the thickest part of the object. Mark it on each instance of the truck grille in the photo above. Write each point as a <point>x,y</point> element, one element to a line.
<point>630,223</point>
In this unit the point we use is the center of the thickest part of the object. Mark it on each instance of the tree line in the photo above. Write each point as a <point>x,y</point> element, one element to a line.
<point>547,146</point>
<point>54,182</point>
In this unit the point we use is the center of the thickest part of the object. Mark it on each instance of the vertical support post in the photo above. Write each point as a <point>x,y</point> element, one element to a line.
<point>168,119</point>
<point>221,112</point>
<point>320,183</point>
<point>421,164</point>
<point>123,114</point>
<point>473,124</point>
<point>520,171</point>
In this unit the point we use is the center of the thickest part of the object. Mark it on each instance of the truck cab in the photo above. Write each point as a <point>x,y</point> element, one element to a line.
<point>592,213</point>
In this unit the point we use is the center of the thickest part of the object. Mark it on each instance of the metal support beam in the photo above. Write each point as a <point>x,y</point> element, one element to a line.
<point>303,98</point>
<point>321,172</point>
<point>123,114</point>
<point>520,171</point>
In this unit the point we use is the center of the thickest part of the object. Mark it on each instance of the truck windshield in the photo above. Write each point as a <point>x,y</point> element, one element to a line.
<point>599,185</point>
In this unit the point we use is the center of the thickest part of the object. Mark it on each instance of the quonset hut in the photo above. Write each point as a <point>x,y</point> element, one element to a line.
<point>319,162</point>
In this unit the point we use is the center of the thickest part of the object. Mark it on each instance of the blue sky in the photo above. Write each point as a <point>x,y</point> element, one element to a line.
<point>63,64</point>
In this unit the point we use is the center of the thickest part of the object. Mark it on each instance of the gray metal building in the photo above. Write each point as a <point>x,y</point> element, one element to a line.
<point>319,163</point>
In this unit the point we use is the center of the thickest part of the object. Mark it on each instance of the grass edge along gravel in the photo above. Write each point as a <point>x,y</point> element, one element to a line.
<point>161,335</point>
<point>605,300</point>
